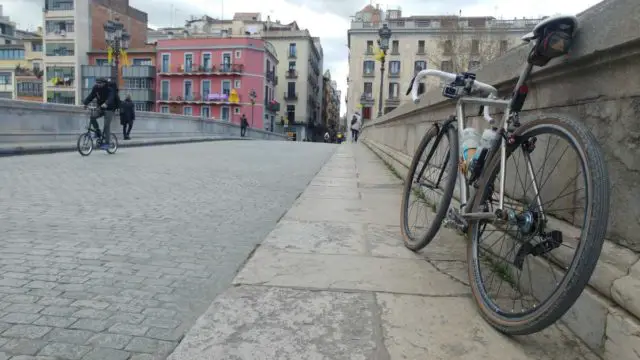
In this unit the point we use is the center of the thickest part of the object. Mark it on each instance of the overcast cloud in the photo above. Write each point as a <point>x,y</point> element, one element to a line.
<point>328,19</point>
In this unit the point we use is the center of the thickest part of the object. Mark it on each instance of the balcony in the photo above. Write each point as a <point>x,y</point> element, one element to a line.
<point>273,106</point>
<point>186,69</point>
<point>6,87</point>
<point>291,74</point>
<point>392,101</point>
<point>290,96</point>
<point>139,95</point>
<point>293,55</point>
<point>61,82</point>
<point>271,77</point>
<point>203,99</point>
<point>139,71</point>
<point>95,71</point>
<point>394,75</point>
<point>368,73</point>
<point>367,99</point>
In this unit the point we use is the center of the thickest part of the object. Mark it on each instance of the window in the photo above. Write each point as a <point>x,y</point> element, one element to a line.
<point>205,88</point>
<point>60,49</point>
<point>421,88</point>
<point>446,66</point>
<point>368,67</point>
<point>11,54</point>
<point>164,90</point>
<point>36,47</point>
<point>187,110</point>
<point>504,45</point>
<point>475,46</point>
<point>166,58</point>
<point>419,65</point>
<point>238,54</point>
<point>370,47</point>
<point>394,67</point>
<point>206,60</point>
<point>164,109</point>
<point>205,112</point>
<point>5,78</point>
<point>102,62</point>
<point>394,90</point>
<point>236,110</point>
<point>226,87</point>
<point>292,65</point>
<point>224,113</point>
<point>368,88</point>
<point>448,47</point>
<point>291,89</point>
<point>188,89</point>
<point>59,27</point>
<point>36,66</point>
<point>226,62</point>
<point>293,52</point>
<point>62,76</point>
<point>188,62</point>
<point>27,88</point>
<point>395,46</point>
<point>237,83</point>
<point>142,106</point>
<point>138,83</point>
<point>291,113</point>
<point>420,46</point>
<point>142,62</point>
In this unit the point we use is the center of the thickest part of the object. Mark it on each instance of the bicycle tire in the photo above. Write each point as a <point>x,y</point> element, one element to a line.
<point>113,144</point>
<point>452,166</point>
<point>590,244</point>
<point>85,136</point>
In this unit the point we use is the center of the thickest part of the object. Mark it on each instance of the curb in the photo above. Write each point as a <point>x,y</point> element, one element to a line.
<point>36,149</point>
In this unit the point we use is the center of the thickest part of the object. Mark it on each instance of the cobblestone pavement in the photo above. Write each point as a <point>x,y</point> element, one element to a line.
<point>114,257</point>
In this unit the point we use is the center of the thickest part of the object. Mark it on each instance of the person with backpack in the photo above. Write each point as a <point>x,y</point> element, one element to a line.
<point>106,94</point>
<point>356,124</point>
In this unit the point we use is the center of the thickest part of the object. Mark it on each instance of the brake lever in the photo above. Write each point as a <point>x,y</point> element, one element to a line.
<point>411,85</point>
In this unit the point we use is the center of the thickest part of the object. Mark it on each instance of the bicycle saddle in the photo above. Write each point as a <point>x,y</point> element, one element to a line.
<point>568,22</point>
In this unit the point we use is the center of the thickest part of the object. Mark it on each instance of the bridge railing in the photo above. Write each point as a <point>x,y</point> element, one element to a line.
<point>26,122</point>
<point>597,83</point>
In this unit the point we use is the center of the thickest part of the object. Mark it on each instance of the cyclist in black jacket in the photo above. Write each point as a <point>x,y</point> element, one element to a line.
<point>106,94</point>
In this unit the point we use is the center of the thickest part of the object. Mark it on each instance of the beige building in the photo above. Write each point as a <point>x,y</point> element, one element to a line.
<point>299,71</point>
<point>448,43</point>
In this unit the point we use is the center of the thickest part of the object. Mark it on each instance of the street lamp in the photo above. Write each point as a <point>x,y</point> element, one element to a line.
<point>117,38</point>
<point>252,97</point>
<point>383,42</point>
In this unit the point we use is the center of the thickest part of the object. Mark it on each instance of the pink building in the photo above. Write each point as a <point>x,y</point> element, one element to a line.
<point>215,78</point>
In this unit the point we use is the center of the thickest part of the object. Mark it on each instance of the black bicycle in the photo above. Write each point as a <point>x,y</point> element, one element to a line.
<point>509,202</point>
<point>90,139</point>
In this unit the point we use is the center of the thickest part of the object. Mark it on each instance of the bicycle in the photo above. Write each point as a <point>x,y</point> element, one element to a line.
<point>528,216</point>
<point>86,140</point>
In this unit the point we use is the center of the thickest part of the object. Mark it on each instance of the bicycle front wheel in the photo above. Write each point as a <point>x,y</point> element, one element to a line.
<point>429,187</point>
<point>527,271</point>
<point>85,144</point>
<point>113,144</point>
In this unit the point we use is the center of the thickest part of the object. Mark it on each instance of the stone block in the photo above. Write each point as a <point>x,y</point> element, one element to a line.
<point>622,337</point>
<point>626,291</point>
<point>317,237</point>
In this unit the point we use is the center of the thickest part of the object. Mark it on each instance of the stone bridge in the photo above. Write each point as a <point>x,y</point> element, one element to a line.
<point>598,84</point>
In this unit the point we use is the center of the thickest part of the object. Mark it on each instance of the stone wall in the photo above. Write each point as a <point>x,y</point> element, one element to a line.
<point>24,121</point>
<point>597,83</point>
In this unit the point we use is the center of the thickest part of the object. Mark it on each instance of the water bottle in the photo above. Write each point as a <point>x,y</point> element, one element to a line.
<point>470,142</point>
<point>489,137</point>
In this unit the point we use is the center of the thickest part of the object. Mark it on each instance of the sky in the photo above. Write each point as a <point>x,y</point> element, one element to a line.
<point>328,19</point>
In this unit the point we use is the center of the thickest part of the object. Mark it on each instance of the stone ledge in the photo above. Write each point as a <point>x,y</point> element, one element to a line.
<point>47,148</point>
<point>616,277</point>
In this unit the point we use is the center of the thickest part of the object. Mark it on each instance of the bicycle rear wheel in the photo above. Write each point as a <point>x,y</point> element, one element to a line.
<point>430,181</point>
<point>85,144</point>
<point>113,144</point>
<point>549,218</point>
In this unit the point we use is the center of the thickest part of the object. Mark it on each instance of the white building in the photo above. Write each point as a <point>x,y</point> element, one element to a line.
<point>448,43</point>
<point>7,30</point>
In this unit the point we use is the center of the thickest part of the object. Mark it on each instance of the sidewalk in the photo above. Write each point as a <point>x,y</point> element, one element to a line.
<point>333,281</point>
<point>14,149</point>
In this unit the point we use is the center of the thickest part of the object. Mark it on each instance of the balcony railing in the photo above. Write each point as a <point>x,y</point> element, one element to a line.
<point>139,95</point>
<point>197,98</point>
<point>273,106</point>
<point>222,69</point>
<point>291,74</point>
<point>139,71</point>
<point>366,98</point>
<point>290,96</point>
<point>368,73</point>
<point>271,76</point>
<point>394,74</point>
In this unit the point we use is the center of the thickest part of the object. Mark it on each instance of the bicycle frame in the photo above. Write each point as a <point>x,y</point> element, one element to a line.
<point>503,124</point>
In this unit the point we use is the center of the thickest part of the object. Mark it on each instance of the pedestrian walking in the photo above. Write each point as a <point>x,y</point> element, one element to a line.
<point>356,125</point>
<point>243,125</point>
<point>127,116</point>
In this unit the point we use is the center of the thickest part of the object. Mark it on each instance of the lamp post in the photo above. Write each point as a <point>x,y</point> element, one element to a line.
<point>383,42</point>
<point>252,97</point>
<point>117,38</point>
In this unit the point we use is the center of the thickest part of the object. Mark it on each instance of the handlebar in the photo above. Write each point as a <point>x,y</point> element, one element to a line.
<point>449,77</point>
